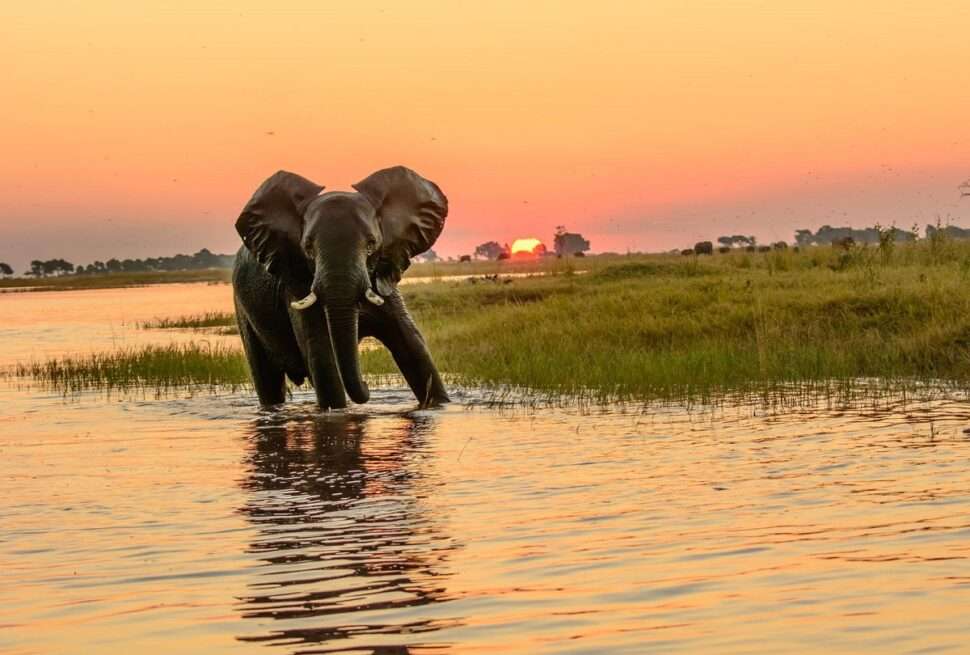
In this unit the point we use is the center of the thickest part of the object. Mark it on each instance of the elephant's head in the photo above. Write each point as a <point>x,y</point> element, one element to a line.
<point>333,251</point>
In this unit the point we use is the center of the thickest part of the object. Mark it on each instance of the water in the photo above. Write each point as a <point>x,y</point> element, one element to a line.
<point>199,524</point>
<point>38,325</point>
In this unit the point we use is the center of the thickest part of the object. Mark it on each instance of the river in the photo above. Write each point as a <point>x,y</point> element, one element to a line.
<point>197,523</point>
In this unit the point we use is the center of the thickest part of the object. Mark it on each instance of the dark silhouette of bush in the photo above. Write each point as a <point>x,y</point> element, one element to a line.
<point>489,250</point>
<point>569,243</point>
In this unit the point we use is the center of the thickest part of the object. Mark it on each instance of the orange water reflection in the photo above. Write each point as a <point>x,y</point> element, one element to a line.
<point>342,529</point>
<point>53,323</point>
<point>200,524</point>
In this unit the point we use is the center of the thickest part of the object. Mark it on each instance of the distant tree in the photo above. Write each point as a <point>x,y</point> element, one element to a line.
<point>828,235</point>
<point>201,260</point>
<point>428,256</point>
<point>489,250</point>
<point>736,240</point>
<point>902,235</point>
<point>951,231</point>
<point>568,243</point>
<point>804,238</point>
<point>5,269</point>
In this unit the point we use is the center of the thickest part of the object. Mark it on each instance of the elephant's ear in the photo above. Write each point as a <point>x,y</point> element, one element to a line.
<point>271,223</point>
<point>411,211</point>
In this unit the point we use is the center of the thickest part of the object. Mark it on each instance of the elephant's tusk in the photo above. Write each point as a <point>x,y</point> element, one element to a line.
<point>373,297</point>
<point>305,302</point>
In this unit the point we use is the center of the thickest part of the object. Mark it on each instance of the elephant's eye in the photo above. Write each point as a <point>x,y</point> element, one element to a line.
<point>371,247</point>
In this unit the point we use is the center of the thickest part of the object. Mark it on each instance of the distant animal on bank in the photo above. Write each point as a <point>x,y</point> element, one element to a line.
<point>465,258</point>
<point>703,248</point>
<point>687,251</point>
<point>779,245</point>
<point>318,272</point>
<point>846,243</point>
<point>764,248</point>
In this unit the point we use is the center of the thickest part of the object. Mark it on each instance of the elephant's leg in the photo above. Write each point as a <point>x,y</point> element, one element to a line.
<point>313,337</point>
<point>268,377</point>
<point>402,338</point>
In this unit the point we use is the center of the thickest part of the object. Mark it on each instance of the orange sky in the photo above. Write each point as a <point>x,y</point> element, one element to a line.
<point>131,130</point>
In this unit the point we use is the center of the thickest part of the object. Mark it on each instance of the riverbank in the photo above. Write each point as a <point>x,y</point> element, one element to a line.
<point>418,270</point>
<point>669,326</point>
<point>113,280</point>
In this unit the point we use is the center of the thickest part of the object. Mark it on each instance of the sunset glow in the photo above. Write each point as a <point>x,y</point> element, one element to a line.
<point>140,129</point>
<point>525,245</point>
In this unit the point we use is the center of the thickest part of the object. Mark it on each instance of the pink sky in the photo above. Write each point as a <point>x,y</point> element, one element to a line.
<point>134,131</point>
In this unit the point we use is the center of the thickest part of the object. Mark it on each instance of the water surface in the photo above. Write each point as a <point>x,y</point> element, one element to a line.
<point>196,523</point>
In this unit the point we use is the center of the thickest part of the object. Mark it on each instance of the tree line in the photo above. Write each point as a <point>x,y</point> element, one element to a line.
<point>49,267</point>
<point>564,243</point>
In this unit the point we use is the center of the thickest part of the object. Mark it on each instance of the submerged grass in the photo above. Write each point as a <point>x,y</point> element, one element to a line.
<point>664,327</point>
<point>159,367</point>
<point>219,322</point>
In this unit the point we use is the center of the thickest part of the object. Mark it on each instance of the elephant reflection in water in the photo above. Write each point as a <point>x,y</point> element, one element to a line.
<point>342,531</point>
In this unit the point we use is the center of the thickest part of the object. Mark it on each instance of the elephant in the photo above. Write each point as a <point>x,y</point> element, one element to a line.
<point>317,272</point>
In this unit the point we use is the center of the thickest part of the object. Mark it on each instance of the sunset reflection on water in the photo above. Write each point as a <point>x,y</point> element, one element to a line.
<point>194,522</point>
<point>340,505</point>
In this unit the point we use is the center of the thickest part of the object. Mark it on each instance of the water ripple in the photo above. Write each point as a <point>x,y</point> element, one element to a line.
<point>204,525</point>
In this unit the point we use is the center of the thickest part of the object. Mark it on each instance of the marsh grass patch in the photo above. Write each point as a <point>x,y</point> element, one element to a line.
<point>648,327</point>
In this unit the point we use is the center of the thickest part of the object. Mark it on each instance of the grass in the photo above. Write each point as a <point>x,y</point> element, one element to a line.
<point>672,327</point>
<point>159,367</point>
<point>218,322</point>
<point>686,326</point>
<point>114,280</point>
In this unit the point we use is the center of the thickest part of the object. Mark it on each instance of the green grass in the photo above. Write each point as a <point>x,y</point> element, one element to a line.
<point>673,327</point>
<point>217,322</point>
<point>114,280</point>
<point>158,367</point>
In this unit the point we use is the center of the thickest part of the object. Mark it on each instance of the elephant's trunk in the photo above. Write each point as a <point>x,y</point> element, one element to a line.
<point>342,320</point>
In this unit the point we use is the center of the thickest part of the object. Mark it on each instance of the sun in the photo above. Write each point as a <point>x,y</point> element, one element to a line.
<point>525,246</point>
